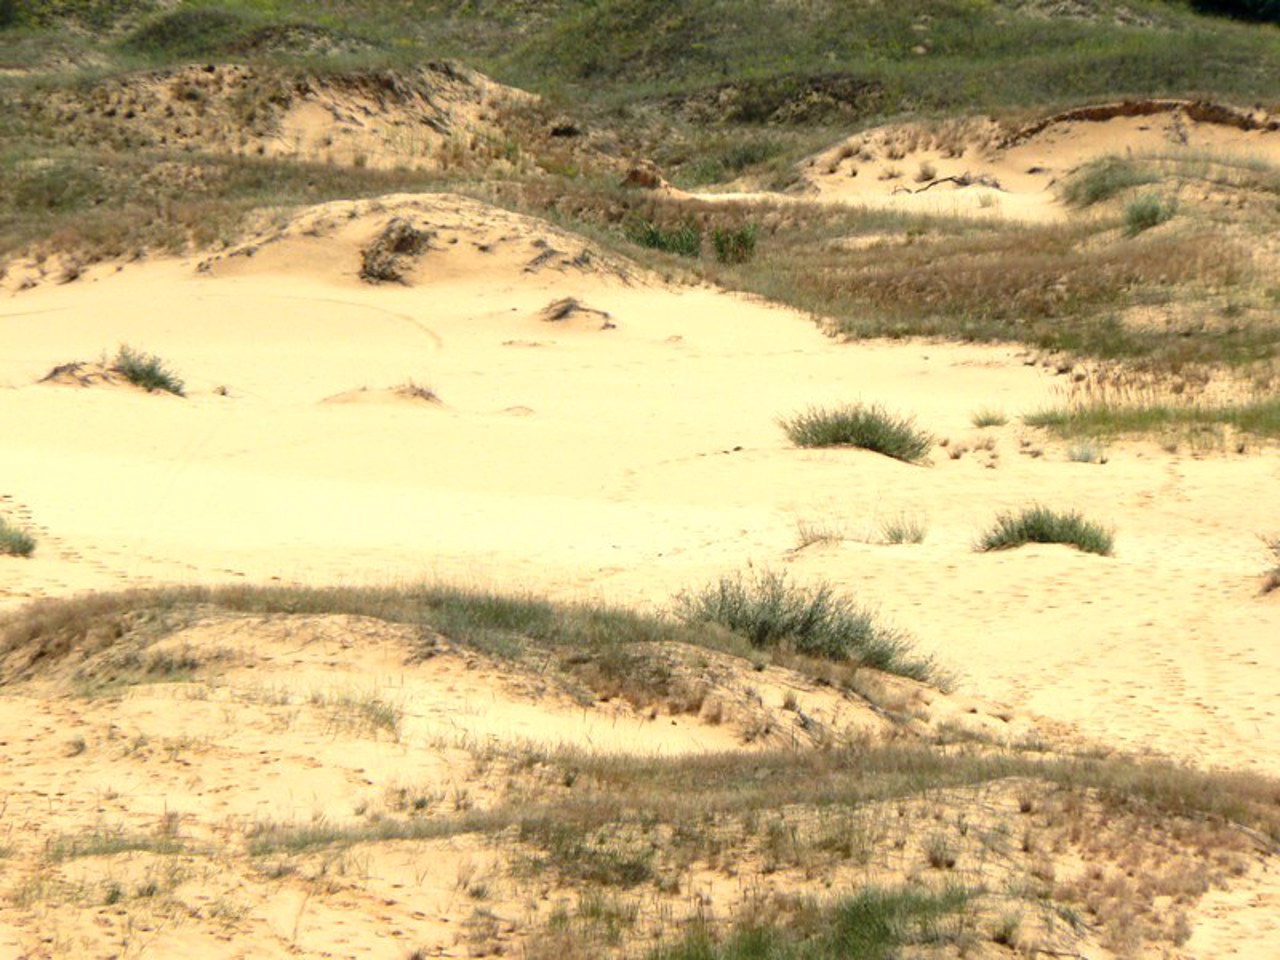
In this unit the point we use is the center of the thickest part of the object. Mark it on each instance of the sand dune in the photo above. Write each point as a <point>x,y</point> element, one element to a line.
<point>646,459</point>
<point>981,168</point>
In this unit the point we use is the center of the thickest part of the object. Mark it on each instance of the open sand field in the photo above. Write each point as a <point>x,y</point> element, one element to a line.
<point>530,413</point>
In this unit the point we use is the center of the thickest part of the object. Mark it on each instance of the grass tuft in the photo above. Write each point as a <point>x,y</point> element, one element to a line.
<point>856,425</point>
<point>771,613</point>
<point>1145,212</point>
<point>989,417</point>
<point>15,542</point>
<point>147,371</point>
<point>902,529</point>
<point>1042,525</point>
<point>1103,179</point>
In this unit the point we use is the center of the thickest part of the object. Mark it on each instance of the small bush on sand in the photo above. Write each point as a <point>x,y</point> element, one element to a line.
<point>1145,212</point>
<point>771,613</point>
<point>871,428</point>
<point>147,371</point>
<point>1042,525</point>
<point>15,542</point>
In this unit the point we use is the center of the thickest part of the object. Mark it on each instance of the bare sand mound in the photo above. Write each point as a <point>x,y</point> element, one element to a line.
<point>410,394</point>
<point>980,167</point>
<point>439,116</point>
<point>416,239</point>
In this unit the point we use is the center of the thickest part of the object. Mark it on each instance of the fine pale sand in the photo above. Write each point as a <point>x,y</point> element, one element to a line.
<point>337,431</point>
<point>624,459</point>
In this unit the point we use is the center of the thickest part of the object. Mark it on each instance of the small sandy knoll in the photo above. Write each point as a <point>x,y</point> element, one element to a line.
<point>342,786</point>
<point>413,239</point>
<point>439,116</point>
<point>980,167</point>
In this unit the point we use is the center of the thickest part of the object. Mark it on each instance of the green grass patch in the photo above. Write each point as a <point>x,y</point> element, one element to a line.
<point>146,370</point>
<point>1259,417</point>
<point>684,240</point>
<point>1147,211</point>
<point>14,541</point>
<point>873,924</point>
<point>1042,525</point>
<point>857,425</point>
<point>814,621</point>
<point>1102,179</point>
<point>735,244</point>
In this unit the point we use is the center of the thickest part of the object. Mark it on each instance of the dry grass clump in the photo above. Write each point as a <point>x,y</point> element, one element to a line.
<point>14,541</point>
<point>1042,525</point>
<point>985,417</point>
<point>1272,579</point>
<point>387,258</point>
<point>814,621</point>
<point>855,425</point>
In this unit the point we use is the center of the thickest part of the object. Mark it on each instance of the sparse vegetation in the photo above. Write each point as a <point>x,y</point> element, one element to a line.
<point>14,541</point>
<point>873,924</point>
<point>1105,418</point>
<point>988,417</point>
<point>147,371</point>
<point>1042,525</point>
<point>1145,212</point>
<point>816,621</point>
<point>1103,179</point>
<point>867,427</point>
<point>902,529</point>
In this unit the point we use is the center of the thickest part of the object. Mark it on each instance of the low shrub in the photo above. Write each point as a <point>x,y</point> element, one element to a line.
<point>816,621</point>
<point>14,541</point>
<point>147,371</point>
<point>856,425</point>
<point>1042,525</point>
<point>1145,212</point>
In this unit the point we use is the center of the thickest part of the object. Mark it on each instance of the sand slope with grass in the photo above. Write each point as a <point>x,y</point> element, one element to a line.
<point>507,406</point>
<point>626,454</point>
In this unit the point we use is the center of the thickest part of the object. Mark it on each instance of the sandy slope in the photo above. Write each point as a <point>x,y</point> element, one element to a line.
<point>624,452</point>
<point>624,462</point>
<point>1016,175</point>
